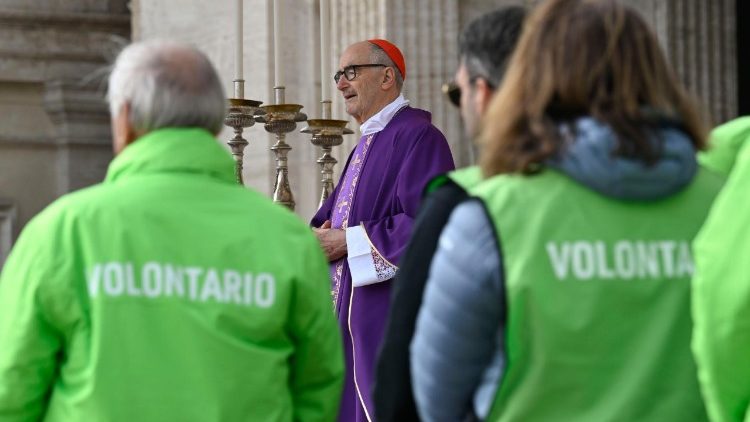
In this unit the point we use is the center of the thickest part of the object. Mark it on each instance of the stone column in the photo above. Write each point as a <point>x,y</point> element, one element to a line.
<point>701,43</point>
<point>699,40</point>
<point>428,30</point>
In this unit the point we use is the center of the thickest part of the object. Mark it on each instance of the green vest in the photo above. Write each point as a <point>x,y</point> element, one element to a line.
<point>598,301</point>
<point>465,178</point>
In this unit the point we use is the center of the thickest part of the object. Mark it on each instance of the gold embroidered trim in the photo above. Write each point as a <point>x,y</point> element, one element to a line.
<point>346,203</point>
<point>383,271</point>
<point>373,248</point>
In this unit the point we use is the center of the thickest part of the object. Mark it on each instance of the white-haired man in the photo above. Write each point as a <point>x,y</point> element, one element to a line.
<point>161,293</point>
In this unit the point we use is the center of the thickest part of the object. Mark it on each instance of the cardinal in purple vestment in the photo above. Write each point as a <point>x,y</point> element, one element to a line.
<point>365,224</point>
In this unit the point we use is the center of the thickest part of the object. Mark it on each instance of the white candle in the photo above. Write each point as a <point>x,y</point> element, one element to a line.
<point>238,42</point>
<point>325,50</point>
<point>277,22</point>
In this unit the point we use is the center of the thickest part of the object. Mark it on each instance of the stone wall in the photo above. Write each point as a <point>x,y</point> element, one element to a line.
<point>54,130</point>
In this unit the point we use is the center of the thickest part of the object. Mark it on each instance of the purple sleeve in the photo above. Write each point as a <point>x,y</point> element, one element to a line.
<point>324,212</point>
<point>429,157</point>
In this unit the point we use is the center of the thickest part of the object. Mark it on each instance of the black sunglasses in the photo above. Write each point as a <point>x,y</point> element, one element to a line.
<point>350,72</point>
<point>453,92</point>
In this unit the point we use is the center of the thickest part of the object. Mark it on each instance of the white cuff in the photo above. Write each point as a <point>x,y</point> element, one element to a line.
<point>366,264</point>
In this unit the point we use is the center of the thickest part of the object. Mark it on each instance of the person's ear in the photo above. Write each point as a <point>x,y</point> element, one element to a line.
<point>389,78</point>
<point>123,133</point>
<point>483,93</point>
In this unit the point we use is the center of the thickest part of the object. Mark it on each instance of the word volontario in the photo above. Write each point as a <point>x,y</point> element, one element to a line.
<point>625,260</point>
<point>155,280</point>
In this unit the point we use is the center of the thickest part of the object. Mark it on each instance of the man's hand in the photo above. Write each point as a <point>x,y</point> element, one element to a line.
<point>333,241</point>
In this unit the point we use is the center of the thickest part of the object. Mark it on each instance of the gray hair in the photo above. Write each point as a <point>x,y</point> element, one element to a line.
<point>166,84</point>
<point>379,56</point>
<point>485,46</point>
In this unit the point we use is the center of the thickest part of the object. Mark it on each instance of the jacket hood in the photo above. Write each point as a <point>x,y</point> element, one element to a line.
<point>590,159</point>
<point>170,150</point>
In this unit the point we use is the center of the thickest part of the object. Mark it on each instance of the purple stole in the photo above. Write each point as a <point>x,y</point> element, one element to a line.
<point>343,205</point>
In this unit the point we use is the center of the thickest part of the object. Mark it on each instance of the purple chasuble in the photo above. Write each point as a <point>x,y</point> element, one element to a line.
<point>383,191</point>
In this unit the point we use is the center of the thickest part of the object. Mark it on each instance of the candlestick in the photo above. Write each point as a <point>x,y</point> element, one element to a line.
<point>280,119</point>
<point>238,42</point>
<point>277,22</point>
<point>241,112</point>
<point>326,133</point>
<point>325,51</point>
<point>240,116</point>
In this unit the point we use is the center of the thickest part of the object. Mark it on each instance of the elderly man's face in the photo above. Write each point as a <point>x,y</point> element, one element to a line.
<point>362,95</point>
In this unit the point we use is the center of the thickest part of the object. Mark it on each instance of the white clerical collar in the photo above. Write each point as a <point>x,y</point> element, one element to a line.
<point>378,122</point>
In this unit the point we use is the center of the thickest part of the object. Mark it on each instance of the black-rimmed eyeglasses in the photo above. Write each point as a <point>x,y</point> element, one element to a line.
<point>350,72</point>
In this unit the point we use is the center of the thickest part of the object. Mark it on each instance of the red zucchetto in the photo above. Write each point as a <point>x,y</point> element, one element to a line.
<point>393,52</point>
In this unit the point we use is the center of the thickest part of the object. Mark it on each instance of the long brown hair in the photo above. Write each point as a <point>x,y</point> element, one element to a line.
<point>578,58</point>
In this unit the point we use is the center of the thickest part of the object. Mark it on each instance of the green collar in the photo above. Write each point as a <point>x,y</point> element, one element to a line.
<point>173,150</point>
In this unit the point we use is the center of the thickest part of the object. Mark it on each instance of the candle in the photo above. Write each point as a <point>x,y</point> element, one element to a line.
<point>238,43</point>
<point>325,50</point>
<point>277,22</point>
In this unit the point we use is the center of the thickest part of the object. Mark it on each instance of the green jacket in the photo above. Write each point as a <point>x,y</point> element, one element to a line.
<point>168,293</point>
<point>721,298</point>
<point>598,298</point>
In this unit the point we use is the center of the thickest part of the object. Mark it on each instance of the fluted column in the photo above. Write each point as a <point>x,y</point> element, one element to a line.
<point>701,44</point>
<point>427,31</point>
<point>699,40</point>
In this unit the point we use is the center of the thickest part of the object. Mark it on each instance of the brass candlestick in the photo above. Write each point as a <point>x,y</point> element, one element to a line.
<point>280,119</point>
<point>326,133</point>
<point>239,116</point>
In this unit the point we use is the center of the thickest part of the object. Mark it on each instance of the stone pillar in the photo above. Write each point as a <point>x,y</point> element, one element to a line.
<point>428,30</point>
<point>54,134</point>
<point>701,43</point>
<point>699,40</point>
